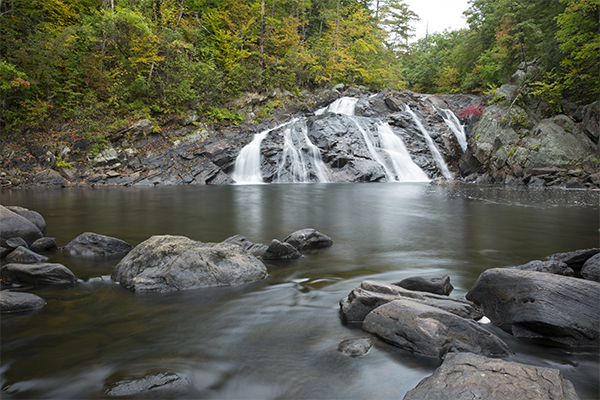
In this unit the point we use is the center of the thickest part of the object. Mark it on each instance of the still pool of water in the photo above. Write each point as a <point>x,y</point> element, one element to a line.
<point>279,338</point>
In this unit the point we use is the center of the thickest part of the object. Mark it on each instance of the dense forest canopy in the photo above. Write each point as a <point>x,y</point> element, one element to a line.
<point>68,58</point>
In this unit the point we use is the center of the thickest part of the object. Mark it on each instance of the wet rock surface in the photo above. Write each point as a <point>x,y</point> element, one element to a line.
<point>465,376</point>
<point>431,331</point>
<point>169,263</point>
<point>153,385</point>
<point>11,302</point>
<point>437,284</point>
<point>93,245</point>
<point>37,274</point>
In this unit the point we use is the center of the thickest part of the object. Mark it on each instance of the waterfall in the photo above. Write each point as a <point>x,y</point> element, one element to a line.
<point>343,105</point>
<point>247,164</point>
<point>432,147</point>
<point>296,163</point>
<point>455,126</point>
<point>404,167</point>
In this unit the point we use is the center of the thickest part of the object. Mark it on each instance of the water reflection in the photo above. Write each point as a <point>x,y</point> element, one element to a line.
<point>277,338</point>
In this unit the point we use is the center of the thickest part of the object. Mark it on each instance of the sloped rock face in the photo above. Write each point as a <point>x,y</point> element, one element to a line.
<point>169,263</point>
<point>430,331</point>
<point>532,304</point>
<point>15,225</point>
<point>37,274</point>
<point>465,376</point>
<point>94,245</point>
<point>370,295</point>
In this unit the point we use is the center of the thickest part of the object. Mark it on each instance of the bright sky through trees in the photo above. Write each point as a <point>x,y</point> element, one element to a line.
<point>441,14</point>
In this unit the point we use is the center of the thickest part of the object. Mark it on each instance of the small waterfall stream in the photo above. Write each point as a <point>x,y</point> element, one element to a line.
<point>455,126</point>
<point>437,156</point>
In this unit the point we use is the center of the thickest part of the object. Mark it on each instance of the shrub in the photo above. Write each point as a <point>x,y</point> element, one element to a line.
<point>476,110</point>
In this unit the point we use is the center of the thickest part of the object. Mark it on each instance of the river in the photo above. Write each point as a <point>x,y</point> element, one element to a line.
<point>278,338</point>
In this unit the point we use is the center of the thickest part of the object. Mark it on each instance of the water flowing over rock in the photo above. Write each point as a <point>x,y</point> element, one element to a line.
<point>466,376</point>
<point>354,139</point>
<point>169,263</point>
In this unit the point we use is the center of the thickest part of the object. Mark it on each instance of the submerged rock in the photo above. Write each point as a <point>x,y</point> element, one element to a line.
<point>168,263</point>
<point>370,295</point>
<point>90,245</point>
<point>356,347</point>
<point>162,381</point>
<point>44,244</point>
<point>37,274</point>
<point>19,301</point>
<point>431,331</point>
<point>465,376</point>
<point>532,304</point>
<point>438,284</point>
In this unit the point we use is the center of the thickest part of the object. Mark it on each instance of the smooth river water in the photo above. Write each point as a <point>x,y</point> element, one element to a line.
<point>279,338</point>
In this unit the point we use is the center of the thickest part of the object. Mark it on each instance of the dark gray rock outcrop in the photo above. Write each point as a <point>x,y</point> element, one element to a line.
<point>44,244</point>
<point>281,251</point>
<point>550,266</point>
<point>370,295</point>
<point>19,301</point>
<point>532,304</point>
<point>37,274</point>
<point>308,239</point>
<point>92,245</point>
<point>465,376</point>
<point>575,259</point>
<point>591,269</point>
<point>15,225</point>
<point>438,284</point>
<point>169,263</point>
<point>25,256</point>
<point>431,331</point>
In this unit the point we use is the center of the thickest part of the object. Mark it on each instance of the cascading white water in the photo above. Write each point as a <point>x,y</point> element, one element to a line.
<point>247,164</point>
<point>437,156</point>
<point>455,126</point>
<point>296,163</point>
<point>405,168</point>
<point>343,105</point>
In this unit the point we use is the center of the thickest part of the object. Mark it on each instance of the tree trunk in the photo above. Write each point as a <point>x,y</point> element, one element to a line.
<point>261,50</point>
<point>180,12</point>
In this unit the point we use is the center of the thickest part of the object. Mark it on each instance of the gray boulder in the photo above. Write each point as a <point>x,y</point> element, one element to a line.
<point>370,295</point>
<point>258,249</point>
<point>438,284</point>
<point>25,256</point>
<point>591,269</point>
<point>281,251</point>
<point>14,242</point>
<point>33,216</point>
<point>169,263</point>
<point>91,245</point>
<point>466,376</point>
<point>575,259</point>
<point>550,266</point>
<point>15,225</point>
<point>532,304</point>
<point>431,331</point>
<point>19,301</point>
<point>308,239</point>
<point>37,274</point>
<point>44,244</point>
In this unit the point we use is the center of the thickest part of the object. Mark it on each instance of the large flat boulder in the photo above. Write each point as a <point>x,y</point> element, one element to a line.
<point>370,295</point>
<point>430,331</point>
<point>15,225</point>
<point>37,274</point>
<point>94,245</point>
<point>466,376</point>
<point>533,304</point>
<point>169,263</point>
<point>19,301</point>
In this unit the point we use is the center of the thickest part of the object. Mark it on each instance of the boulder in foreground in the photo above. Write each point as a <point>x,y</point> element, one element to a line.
<point>532,304</point>
<point>465,376</point>
<point>19,301</point>
<point>15,225</point>
<point>37,274</point>
<point>170,263</point>
<point>430,331</point>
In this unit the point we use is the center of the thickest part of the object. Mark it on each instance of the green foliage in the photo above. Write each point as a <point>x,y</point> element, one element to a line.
<point>218,114</point>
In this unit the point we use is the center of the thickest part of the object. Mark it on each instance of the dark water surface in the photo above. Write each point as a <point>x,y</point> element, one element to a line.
<point>277,339</point>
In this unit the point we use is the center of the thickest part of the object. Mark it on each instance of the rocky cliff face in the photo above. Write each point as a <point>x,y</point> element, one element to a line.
<point>389,136</point>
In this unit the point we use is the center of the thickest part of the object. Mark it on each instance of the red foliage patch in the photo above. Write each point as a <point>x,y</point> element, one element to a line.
<point>476,110</point>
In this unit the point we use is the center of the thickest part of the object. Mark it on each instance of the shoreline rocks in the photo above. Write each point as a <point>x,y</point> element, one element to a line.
<point>93,245</point>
